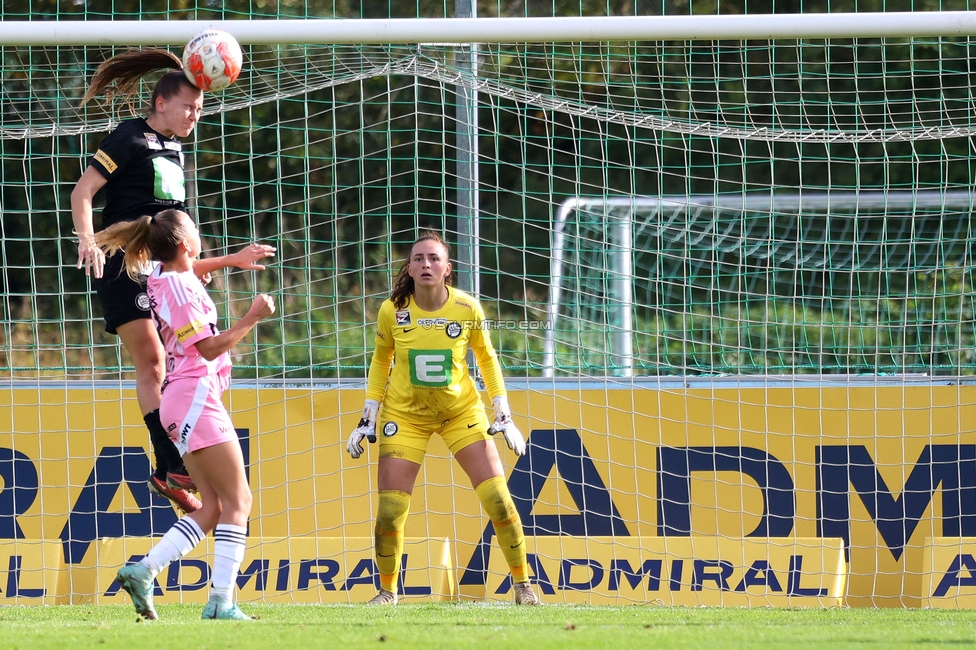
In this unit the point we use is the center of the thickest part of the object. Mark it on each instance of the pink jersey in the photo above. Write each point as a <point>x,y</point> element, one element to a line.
<point>184,314</point>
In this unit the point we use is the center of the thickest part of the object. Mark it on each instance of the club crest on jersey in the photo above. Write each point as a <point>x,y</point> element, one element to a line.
<point>402,317</point>
<point>453,329</point>
<point>390,429</point>
<point>142,302</point>
<point>153,142</point>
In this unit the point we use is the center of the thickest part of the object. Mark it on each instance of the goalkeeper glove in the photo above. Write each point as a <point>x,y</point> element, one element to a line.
<point>365,429</point>
<point>503,424</point>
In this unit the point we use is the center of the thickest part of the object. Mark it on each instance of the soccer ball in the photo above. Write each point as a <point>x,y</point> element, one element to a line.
<point>212,59</point>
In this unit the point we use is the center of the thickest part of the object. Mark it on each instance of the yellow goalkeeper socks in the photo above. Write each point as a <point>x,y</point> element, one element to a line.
<point>391,517</point>
<point>497,502</point>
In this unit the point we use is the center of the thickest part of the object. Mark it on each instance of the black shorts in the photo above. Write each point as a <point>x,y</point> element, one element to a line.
<point>123,299</point>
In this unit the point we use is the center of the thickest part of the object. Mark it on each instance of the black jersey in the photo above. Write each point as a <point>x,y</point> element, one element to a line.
<point>144,170</point>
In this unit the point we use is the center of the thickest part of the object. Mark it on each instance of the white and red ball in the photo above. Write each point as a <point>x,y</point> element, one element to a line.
<point>212,59</point>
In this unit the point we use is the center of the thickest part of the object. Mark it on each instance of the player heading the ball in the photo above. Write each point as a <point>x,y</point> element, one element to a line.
<point>140,167</point>
<point>430,391</point>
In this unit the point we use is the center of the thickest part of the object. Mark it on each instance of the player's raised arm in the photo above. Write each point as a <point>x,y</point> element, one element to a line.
<point>211,348</point>
<point>247,259</point>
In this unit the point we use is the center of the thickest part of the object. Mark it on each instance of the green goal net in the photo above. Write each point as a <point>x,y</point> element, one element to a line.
<point>339,154</point>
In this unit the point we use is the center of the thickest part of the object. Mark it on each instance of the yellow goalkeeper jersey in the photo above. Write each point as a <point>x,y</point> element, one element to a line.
<point>430,381</point>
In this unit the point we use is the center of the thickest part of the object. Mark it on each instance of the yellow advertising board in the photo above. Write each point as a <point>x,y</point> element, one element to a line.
<point>33,573</point>
<point>884,466</point>
<point>279,569</point>
<point>808,572</point>
<point>948,573</point>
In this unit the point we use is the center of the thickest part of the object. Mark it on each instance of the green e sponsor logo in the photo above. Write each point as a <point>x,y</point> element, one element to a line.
<point>431,367</point>
<point>169,180</point>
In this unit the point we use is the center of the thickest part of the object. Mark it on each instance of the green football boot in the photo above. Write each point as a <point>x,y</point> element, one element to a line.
<point>220,609</point>
<point>137,581</point>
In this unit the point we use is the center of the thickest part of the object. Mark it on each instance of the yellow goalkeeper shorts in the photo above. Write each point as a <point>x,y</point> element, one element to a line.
<point>402,438</point>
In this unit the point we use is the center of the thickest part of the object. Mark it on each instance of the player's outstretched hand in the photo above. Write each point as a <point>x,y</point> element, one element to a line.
<point>262,307</point>
<point>365,429</point>
<point>503,424</point>
<point>247,257</point>
<point>90,256</point>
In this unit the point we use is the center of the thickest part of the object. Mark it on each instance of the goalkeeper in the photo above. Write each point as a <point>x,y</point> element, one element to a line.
<point>426,328</point>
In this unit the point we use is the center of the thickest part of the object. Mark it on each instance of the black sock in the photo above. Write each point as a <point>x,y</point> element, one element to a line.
<point>167,455</point>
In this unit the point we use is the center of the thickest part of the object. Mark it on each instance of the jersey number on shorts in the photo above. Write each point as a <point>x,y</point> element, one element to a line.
<point>431,367</point>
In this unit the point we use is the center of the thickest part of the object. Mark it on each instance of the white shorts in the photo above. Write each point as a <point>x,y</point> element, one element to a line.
<point>192,413</point>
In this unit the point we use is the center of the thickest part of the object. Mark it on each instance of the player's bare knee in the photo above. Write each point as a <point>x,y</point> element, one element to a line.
<point>150,371</point>
<point>207,516</point>
<point>236,507</point>
<point>242,504</point>
<point>158,369</point>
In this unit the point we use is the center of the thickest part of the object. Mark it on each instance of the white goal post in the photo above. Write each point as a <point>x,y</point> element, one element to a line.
<point>498,30</point>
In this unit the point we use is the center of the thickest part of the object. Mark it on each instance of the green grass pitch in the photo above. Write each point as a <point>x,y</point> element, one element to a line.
<point>466,625</point>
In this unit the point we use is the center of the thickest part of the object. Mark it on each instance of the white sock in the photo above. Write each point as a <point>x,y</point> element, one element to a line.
<point>229,541</point>
<point>179,540</point>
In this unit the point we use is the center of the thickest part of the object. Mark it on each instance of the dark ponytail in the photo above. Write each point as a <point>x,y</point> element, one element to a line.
<point>121,74</point>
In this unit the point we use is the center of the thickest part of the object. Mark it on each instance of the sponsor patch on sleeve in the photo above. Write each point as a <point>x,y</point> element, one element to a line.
<point>106,161</point>
<point>185,332</point>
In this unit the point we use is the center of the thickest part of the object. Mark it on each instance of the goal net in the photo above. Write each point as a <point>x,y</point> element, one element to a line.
<point>816,281</point>
<point>730,282</point>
